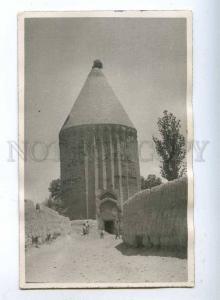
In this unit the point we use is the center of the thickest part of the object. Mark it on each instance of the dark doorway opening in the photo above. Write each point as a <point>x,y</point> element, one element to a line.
<point>109,226</point>
<point>139,241</point>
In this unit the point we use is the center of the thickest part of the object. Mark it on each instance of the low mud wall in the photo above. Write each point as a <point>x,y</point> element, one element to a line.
<point>43,225</point>
<point>157,217</point>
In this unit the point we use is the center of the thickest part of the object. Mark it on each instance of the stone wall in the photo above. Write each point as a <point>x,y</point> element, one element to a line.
<point>95,158</point>
<point>157,217</point>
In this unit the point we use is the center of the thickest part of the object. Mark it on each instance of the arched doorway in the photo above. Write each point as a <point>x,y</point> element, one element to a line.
<point>109,226</point>
<point>109,212</point>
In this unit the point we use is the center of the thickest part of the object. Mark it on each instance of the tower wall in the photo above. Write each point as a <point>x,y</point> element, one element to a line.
<point>95,158</point>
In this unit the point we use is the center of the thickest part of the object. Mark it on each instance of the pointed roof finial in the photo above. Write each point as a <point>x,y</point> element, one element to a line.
<point>97,64</point>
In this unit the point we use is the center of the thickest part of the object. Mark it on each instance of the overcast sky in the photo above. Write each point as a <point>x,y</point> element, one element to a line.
<point>144,62</point>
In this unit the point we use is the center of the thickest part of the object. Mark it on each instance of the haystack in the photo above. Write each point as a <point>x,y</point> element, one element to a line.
<point>43,224</point>
<point>157,217</point>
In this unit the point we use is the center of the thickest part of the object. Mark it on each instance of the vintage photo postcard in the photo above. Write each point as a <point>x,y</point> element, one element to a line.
<point>105,149</point>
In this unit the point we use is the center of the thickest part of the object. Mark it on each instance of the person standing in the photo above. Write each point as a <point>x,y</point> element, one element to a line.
<point>102,234</point>
<point>87,227</point>
<point>84,229</point>
<point>117,230</point>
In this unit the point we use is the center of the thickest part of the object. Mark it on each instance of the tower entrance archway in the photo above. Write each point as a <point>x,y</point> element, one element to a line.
<point>109,226</point>
<point>109,213</point>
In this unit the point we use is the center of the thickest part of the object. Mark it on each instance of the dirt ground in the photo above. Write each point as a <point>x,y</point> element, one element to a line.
<point>89,259</point>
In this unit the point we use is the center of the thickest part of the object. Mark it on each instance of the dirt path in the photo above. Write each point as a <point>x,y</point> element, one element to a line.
<point>89,259</point>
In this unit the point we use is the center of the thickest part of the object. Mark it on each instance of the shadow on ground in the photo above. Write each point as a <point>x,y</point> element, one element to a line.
<point>132,251</point>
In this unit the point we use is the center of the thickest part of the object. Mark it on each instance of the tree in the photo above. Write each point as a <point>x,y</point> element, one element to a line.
<point>48,202</point>
<point>55,199</point>
<point>55,188</point>
<point>171,146</point>
<point>142,183</point>
<point>151,181</point>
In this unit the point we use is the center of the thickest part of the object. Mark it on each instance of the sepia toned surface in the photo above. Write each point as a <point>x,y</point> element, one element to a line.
<point>104,182</point>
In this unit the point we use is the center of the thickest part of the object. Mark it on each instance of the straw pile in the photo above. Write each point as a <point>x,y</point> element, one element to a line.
<point>43,224</point>
<point>157,217</point>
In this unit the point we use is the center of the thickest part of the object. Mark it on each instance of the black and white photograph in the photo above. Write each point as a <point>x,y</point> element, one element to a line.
<point>106,131</point>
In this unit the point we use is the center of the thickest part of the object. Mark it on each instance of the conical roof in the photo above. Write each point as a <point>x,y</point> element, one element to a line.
<point>97,103</point>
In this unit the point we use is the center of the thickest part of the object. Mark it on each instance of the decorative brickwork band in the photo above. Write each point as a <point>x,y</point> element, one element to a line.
<point>119,170</point>
<point>96,167</point>
<point>112,160</point>
<point>103,162</point>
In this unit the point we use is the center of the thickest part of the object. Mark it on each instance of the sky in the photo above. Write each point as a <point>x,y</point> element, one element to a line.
<point>144,61</point>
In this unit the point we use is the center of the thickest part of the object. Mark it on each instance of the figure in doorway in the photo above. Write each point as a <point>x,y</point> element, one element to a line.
<point>117,230</point>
